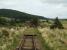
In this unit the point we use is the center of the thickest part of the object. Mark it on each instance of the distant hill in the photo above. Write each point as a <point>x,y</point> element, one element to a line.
<point>17,14</point>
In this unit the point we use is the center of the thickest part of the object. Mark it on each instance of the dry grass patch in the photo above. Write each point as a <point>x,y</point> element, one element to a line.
<point>56,39</point>
<point>10,38</point>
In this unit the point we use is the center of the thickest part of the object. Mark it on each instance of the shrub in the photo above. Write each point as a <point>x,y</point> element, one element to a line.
<point>5,33</point>
<point>1,35</point>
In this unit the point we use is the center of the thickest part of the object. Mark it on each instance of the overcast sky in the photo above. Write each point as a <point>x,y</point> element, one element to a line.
<point>46,8</point>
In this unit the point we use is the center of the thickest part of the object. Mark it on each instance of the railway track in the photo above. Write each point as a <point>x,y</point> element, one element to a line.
<point>29,42</point>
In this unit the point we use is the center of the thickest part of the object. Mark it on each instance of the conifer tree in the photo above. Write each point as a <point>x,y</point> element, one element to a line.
<point>57,24</point>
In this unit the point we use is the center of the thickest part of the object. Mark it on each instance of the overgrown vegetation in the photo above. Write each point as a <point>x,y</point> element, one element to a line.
<point>10,38</point>
<point>13,26</point>
<point>35,31</point>
<point>57,24</point>
<point>50,39</point>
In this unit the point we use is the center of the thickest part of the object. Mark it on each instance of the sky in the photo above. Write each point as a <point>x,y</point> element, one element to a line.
<point>46,8</point>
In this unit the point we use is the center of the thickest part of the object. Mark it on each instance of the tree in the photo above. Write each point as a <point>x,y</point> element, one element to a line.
<point>35,21</point>
<point>57,24</point>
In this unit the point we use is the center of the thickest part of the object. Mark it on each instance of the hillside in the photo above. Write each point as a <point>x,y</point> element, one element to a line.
<point>17,14</point>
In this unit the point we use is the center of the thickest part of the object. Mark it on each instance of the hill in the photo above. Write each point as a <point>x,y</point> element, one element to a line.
<point>17,15</point>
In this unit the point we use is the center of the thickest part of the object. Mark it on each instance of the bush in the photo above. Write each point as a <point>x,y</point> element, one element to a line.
<point>1,35</point>
<point>5,33</point>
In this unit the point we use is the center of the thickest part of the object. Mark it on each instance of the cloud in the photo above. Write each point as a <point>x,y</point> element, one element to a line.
<point>55,1</point>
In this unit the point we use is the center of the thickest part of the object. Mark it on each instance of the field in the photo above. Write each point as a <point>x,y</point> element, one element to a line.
<point>55,39</point>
